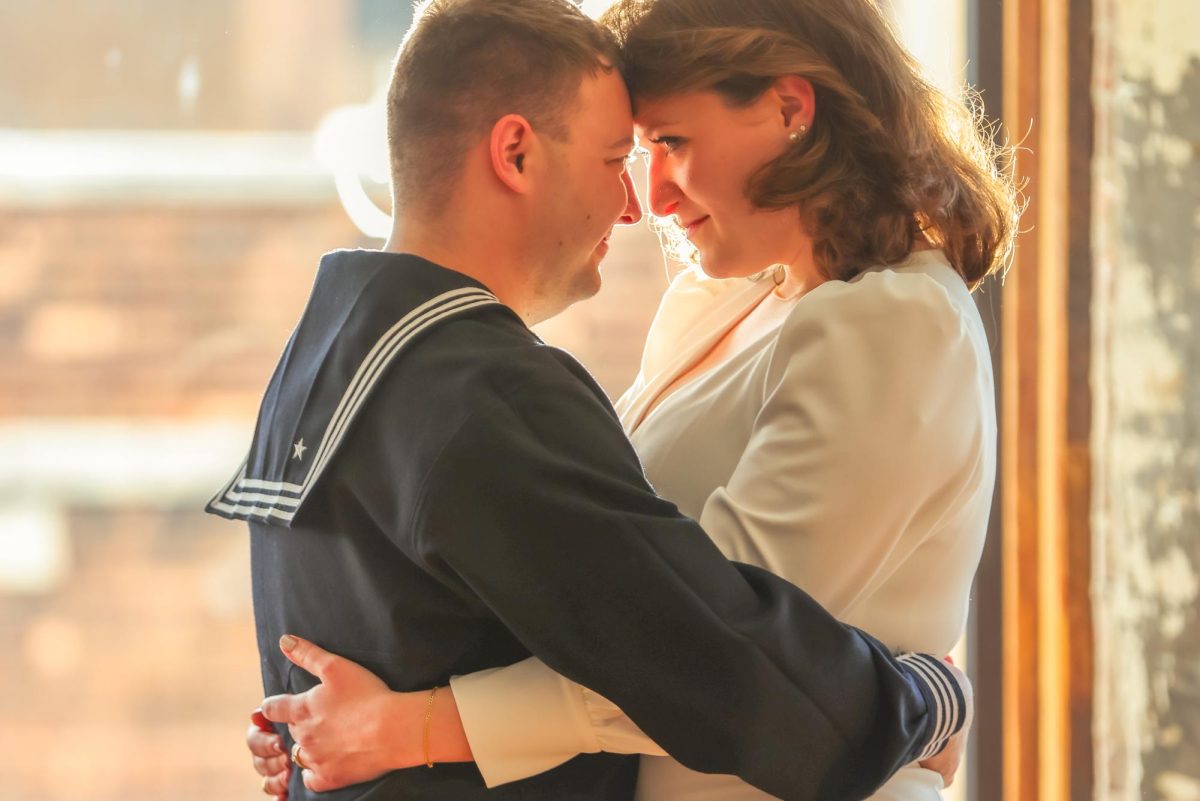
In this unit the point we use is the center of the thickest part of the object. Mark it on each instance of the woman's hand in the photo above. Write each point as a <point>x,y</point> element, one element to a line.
<point>351,728</point>
<point>267,752</point>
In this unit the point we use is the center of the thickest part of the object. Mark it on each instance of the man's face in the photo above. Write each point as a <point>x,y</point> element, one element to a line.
<point>592,192</point>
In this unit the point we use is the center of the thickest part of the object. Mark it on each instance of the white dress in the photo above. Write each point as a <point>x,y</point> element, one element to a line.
<point>852,451</point>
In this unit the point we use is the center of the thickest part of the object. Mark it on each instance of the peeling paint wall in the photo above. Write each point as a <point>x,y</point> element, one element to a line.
<point>1146,388</point>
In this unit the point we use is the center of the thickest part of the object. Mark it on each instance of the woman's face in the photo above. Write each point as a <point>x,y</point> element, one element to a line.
<point>702,154</point>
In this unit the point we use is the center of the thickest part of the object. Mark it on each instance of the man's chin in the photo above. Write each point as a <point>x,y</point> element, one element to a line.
<point>585,279</point>
<point>589,283</point>
<point>590,277</point>
<point>581,289</point>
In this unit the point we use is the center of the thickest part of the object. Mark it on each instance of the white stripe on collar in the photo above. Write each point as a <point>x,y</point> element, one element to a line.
<point>281,499</point>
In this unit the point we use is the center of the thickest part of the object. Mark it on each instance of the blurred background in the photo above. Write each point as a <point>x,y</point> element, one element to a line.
<point>170,173</point>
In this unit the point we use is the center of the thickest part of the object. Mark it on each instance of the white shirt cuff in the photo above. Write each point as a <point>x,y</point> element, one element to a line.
<point>525,719</point>
<point>522,720</point>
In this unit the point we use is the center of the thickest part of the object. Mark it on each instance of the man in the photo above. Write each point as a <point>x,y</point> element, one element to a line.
<point>432,491</point>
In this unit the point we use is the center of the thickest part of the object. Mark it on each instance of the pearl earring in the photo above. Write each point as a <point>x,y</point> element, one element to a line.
<point>794,136</point>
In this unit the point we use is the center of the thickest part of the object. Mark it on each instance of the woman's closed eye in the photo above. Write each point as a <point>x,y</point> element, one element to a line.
<point>669,143</point>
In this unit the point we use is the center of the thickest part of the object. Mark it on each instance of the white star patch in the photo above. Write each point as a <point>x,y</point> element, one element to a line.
<point>298,449</point>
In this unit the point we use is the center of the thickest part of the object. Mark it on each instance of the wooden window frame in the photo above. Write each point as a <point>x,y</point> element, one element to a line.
<point>1047,402</point>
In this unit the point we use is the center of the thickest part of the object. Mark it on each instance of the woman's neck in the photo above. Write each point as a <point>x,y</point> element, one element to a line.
<point>800,273</point>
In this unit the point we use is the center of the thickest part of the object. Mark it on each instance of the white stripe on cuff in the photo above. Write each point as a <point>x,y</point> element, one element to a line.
<point>940,717</point>
<point>948,715</point>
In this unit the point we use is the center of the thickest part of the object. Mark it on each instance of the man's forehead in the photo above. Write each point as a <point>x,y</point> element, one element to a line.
<point>605,107</point>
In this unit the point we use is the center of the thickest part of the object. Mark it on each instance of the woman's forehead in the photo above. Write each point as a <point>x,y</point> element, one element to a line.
<point>666,110</point>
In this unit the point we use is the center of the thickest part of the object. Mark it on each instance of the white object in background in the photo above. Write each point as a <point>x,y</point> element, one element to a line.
<point>34,544</point>
<point>594,8</point>
<point>189,85</point>
<point>351,142</point>
<point>935,31</point>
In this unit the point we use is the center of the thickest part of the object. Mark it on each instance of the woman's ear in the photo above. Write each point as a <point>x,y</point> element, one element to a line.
<point>797,101</point>
<point>512,139</point>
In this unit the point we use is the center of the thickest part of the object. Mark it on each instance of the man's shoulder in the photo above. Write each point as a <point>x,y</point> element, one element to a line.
<point>484,385</point>
<point>440,331</point>
<point>488,355</point>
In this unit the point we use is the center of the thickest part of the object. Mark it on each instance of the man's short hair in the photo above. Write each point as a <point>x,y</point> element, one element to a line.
<point>465,64</point>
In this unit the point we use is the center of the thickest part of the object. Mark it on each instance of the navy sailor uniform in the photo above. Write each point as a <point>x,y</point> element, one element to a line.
<point>431,491</point>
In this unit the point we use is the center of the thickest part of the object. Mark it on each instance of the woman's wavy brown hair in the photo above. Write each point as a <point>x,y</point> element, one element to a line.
<point>889,160</point>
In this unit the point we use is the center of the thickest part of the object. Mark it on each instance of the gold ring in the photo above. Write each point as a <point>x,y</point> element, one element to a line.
<point>265,780</point>
<point>296,758</point>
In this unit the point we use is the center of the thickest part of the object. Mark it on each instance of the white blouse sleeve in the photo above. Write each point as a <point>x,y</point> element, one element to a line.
<point>870,394</point>
<point>525,719</point>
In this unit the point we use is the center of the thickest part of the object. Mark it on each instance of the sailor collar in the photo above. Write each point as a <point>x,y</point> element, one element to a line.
<point>365,310</point>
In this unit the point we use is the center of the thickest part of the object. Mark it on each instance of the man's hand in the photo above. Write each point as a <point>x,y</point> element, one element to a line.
<point>947,761</point>
<point>270,760</point>
<point>350,728</point>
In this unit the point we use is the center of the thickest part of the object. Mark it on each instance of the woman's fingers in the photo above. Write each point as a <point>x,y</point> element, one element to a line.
<point>268,757</point>
<point>271,765</point>
<point>262,744</point>
<point>310,656</point>
<point>260,721</point>
<point>318,784</point>
<point>289,709</point>
<point>334,722</point>
<point>276,785</point>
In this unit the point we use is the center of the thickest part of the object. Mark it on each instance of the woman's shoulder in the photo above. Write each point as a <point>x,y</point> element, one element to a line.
<point>921,294</point>
<point>882,322</point>
<point>896,351</point>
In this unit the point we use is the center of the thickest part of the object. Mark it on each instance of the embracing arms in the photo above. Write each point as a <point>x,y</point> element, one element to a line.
<point>354,729</point>
<point>866,481</point>
<point>539,509</point>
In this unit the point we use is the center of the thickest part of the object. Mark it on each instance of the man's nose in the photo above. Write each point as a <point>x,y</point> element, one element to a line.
<point>633,206</point>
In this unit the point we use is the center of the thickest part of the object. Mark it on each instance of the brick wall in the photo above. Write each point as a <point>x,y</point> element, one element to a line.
<point>182,313</point>
<point>132,680</point>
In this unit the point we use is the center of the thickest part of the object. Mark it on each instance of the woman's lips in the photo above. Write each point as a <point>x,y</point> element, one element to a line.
<point>691,227</point>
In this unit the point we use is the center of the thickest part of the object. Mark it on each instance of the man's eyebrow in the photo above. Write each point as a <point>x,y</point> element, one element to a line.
<point>625,143</point>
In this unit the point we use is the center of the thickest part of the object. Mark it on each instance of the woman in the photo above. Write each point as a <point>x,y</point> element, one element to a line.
<point>819,396</point>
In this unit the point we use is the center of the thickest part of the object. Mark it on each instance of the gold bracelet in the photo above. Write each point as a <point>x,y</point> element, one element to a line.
<point>428,720</point>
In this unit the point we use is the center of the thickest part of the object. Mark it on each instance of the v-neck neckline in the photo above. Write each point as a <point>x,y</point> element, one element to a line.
<point>670,392</point>
<point>712,326</point>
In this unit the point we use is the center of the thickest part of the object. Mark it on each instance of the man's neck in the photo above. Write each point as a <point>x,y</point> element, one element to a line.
<point>490,263</point>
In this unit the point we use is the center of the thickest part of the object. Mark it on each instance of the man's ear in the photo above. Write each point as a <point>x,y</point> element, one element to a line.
<point>510,144</point>
<point>797,101</point>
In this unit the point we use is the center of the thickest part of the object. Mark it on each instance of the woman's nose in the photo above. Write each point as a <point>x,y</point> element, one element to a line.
<point>662,193</point>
